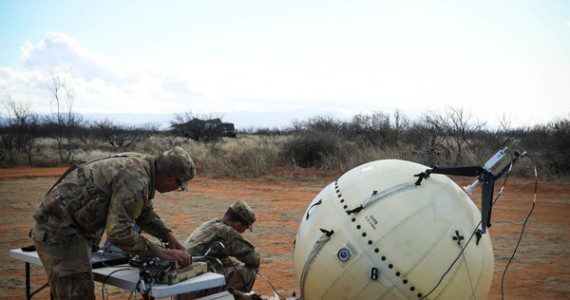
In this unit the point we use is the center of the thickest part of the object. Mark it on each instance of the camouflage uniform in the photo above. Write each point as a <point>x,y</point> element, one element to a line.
<point>112,193</point>
<point>240,277</point>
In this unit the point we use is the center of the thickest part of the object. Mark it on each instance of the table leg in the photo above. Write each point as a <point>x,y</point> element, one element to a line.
<point>28,296</point>
<point>29,293</point>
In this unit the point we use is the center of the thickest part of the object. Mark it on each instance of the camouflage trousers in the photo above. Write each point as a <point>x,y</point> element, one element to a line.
<point>68,268</point>
<point>239,278</point>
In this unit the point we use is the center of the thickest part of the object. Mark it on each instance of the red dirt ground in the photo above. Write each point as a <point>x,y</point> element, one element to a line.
<point>541,268</point>
<point>27,172</point>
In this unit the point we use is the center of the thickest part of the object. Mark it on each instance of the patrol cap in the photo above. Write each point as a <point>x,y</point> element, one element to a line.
<point>177,163</point>
<point>244,211</point>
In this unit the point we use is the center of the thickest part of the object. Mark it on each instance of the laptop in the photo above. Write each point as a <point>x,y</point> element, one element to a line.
<point>110,255</point>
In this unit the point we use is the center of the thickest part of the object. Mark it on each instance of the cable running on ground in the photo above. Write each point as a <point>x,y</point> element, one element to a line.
<point>523,227</point>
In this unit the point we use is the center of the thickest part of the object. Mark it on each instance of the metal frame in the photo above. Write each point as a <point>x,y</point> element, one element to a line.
<point>484,175</point>
<point>30,294</point>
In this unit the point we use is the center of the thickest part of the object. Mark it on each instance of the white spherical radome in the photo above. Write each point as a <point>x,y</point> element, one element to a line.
<point>398,245</point>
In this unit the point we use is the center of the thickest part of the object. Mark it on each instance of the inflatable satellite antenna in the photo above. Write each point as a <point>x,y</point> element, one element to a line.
<point>378,232</point>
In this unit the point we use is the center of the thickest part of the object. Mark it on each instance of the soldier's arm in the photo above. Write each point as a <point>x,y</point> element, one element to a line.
<point>241,249</point>
<point>150,222</point>
<point>130,194</point>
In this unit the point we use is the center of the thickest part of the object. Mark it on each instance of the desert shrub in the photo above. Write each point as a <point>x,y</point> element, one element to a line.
<point>309,148</point>
<point>559,158</point>
<point>207,128</point>
<point>349,155</point>
<point>266,131</point>
<point>19,128</point>
<point>160,142</point>
<point>427,141</point>
<point>549,146</point>
<point>451,138</point>
<point>318,124</point>
<point>373,129</point>
<point>251,156</point>
<point>116,137</point>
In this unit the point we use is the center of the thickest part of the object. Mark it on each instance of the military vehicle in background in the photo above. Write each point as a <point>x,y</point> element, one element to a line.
<point>204,130</point>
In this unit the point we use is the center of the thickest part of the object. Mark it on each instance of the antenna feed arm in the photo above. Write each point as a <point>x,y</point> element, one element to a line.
<point>484,175</point>
<point>459,171</point>
<point>488,166</point>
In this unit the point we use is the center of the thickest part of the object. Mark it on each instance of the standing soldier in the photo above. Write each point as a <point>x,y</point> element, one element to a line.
<point>114,193</point>
<point>222,238</point>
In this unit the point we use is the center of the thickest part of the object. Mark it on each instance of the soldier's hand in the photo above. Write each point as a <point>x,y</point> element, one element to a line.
<point>180,256</point>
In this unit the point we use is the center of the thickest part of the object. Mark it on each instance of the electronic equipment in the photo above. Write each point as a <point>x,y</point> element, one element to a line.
<point>157,270</point>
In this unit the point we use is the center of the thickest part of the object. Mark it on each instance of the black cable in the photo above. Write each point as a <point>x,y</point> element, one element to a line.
<point>473,233</point>
<point>104,282</point>
<point>102,262</point>
<point>240,275</point>
<point>272,286</point>
<point>453,263</point>
<point>137,287</point>
<point>523,227</point>
<point>102,258</point>
<point>231,263</point>
<point>233,266</point>
<point>221,265</point>
<point>146,290</point>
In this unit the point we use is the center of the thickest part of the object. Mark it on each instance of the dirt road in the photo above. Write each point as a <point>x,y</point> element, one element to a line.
<point>541,268</point>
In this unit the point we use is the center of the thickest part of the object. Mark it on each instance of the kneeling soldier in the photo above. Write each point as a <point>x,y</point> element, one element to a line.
<point>228,231</point>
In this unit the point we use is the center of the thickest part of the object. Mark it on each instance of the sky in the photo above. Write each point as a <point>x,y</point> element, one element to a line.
<point>491,58</point>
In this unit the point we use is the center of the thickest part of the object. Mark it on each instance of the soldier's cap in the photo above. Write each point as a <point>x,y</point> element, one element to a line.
<point>178,164</point>
<point>244,211</point>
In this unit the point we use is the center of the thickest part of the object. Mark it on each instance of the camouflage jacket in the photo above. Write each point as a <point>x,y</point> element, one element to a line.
<point>236,245</point>
<point>112,193</point>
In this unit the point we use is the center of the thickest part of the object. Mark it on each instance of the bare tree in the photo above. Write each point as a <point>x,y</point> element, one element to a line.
<point>503,132</point>
<point>427,137</point>
<point>460,126</point>
<point>182,118</point>
<point>66,121</point>
<point>322,123</point>
<point>7,138</point>
<point>19,131</point>
<point>559,142</point>
<point>400,125</point>
<point>121,137</point>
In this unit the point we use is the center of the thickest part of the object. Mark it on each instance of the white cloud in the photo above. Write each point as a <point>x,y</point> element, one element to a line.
<point>99,84</point>
<point>178,87</point>
<point>567,23</point>
<point>58,49</point>
<point>352,80</point>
